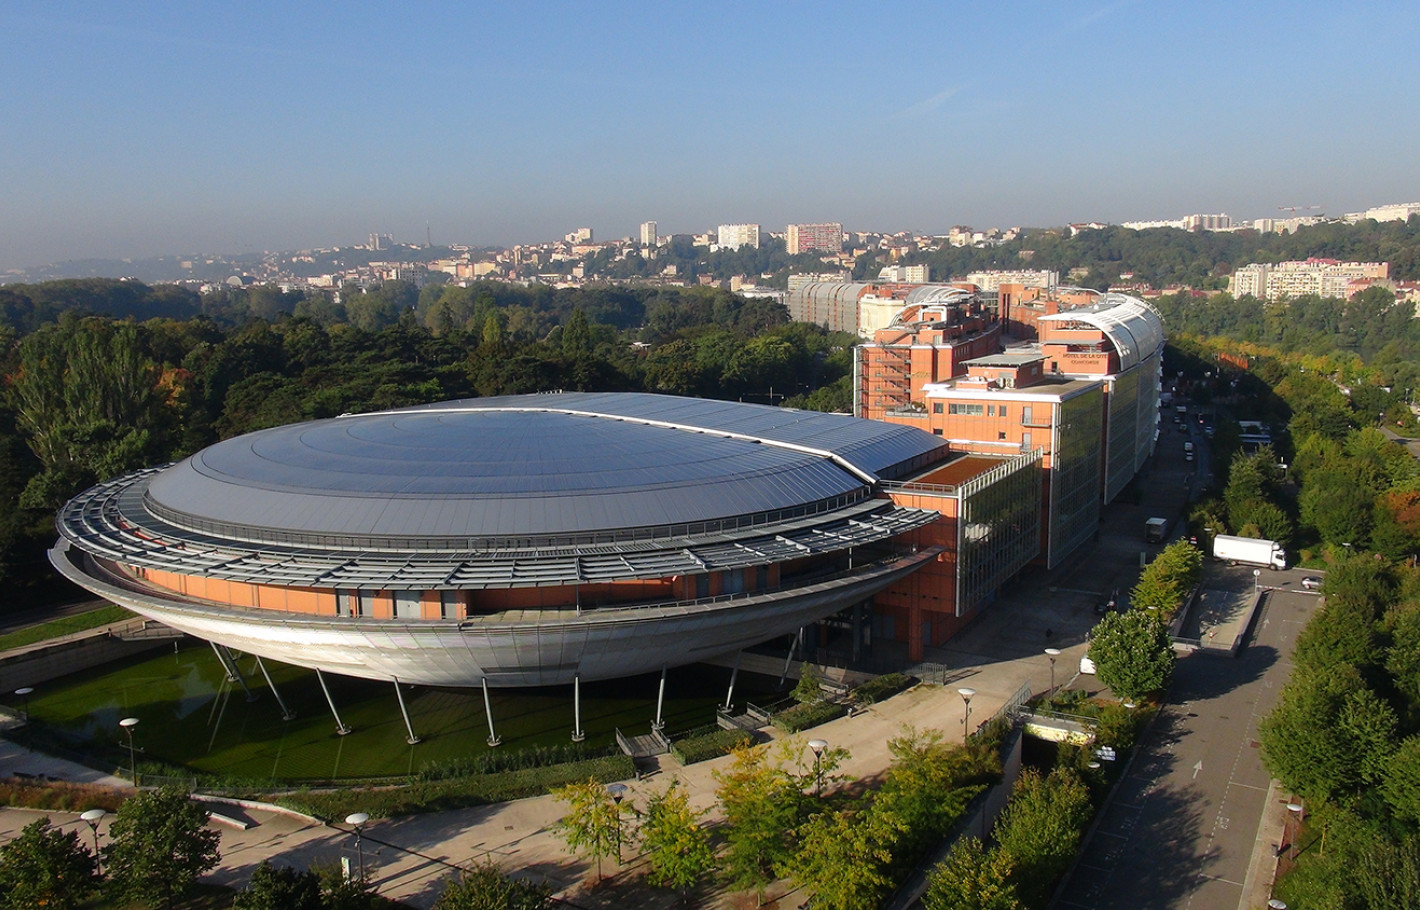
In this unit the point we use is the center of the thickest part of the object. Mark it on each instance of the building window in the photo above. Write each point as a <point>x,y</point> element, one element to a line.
<point>969,410</point>
<point>1025,414</point>
<point>990,410</point>
<point>1025,442</point>
<point>702,586</point>
<point>937,432</point>
<point>1003,410</point>
<point>1001,434</point>
<point>936,407</point>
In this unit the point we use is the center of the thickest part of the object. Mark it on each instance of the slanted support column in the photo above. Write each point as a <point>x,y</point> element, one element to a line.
<point>793,646</point>
<point>734,674</point>
<point>339,724</point>
<point>493,738</point>
<point>577,734</point>
<point>408,727</point>
<point>224,657</point>
<point>286,713</point>
<point>659,723</point>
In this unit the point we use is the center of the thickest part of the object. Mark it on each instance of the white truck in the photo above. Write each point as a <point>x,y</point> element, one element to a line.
<point>1249,551</point>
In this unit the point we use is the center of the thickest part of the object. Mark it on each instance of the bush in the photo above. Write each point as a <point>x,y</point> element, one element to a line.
<point>57,795</point>
<point>456,793</point>
<point>881,687</point>
<point>802,717</point>
<point>694,749</point>
<point>497,761</point>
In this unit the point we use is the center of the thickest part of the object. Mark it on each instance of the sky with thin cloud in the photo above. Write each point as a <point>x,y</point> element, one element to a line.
<point>137,129</point>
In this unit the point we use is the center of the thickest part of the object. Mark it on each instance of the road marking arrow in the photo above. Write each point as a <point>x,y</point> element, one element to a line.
<point>1196,768</point>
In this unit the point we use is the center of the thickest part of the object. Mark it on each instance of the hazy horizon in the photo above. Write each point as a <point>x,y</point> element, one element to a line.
<point>138,131</point>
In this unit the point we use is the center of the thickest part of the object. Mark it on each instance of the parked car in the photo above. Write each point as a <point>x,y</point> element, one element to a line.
<point>1311,583</point>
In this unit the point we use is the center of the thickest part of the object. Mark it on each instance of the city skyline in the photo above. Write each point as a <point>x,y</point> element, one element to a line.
<point>141,131</point>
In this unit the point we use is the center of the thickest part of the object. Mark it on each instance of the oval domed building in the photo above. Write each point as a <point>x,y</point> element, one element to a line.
<point>517,541</point>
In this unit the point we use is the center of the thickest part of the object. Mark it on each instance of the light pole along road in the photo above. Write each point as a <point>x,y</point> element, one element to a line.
<point>1180,831</point>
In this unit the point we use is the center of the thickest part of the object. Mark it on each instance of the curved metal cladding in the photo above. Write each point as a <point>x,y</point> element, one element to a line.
<point>833,305</point>
<point>602,644</point>
<point>275,542</point>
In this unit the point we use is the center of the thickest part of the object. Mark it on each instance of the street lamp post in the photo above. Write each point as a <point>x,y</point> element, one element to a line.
<point>1300,811</point>
<point>24,693</point>
<point>1052,653</point>
<point>966,693</point>
<point>1256,580</point>
<point>818,745</point>
<point>357,821</point>
<point>617,793</point>
<point>128,723</point>
<point>93,817</point>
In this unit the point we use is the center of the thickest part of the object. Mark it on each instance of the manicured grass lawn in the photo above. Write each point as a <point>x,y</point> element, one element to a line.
<point>63,626</point>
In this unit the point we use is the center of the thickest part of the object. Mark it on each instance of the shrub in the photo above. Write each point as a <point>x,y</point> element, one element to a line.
<point>456,793</point>
<point>706,746</point>
<point>881,687</point>
<point>802,717</point>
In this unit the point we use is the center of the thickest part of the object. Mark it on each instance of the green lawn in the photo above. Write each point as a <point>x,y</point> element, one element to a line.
<point>65,625</point>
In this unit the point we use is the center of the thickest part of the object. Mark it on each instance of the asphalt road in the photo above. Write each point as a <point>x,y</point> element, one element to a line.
<point>1181,828</point>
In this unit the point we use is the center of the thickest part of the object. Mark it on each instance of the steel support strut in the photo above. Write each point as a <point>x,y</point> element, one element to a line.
<point>408,728</point>
<point>286,713</point>
<point>493,738</point>
<point>339,724</point>
<point>660,700</point>
<point>577,734</point>
<point>224,657</point>
<point>734,673</point>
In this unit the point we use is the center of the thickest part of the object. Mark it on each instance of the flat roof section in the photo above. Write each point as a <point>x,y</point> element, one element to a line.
<point>959,471</point>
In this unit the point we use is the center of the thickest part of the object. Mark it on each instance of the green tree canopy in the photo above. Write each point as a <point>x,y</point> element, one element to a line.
<point>160,844</point>
<point>1132,653</point>
<point>677,848</point>
<point>972,878</point>
<point>485,887</point>
<point>45,867</point>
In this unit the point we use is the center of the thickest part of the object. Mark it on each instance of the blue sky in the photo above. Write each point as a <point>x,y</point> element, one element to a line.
<point>139,129</point>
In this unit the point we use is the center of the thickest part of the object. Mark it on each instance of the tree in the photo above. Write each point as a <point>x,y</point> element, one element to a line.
<point>45,867</point>
<point>1040,829</point>
<point>761,803</point>
<point>280,888</point>
<point>1132,653</point>
<point>485,887</point>
<point>1329,735</point>
<point>1166,581</point>
<point>677,848</point>
<point>592,825</point>
<point>806,690</point>
<point>972,878</point>
<point>160,845</point>
<point>1401,786</point>
<point>843,857</point>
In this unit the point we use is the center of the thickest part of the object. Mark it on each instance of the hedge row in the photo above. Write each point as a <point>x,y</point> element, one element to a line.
<point>694,749</point>
<point>881,687</point>
<point>802,717</point>
<point>456,793</point>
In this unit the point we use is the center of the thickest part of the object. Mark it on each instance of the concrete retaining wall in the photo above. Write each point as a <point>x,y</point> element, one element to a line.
<point>35,664</point>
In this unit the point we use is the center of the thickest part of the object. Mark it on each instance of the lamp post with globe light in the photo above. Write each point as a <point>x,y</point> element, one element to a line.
<point>357,821</point>
<point>128,723</point>
<point>1052,653</point>
<point>966,693</point>
<point>818,745</point>
<point>92,817</point>
<point>617,792</point>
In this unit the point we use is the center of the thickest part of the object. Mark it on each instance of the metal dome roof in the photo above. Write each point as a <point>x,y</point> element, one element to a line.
<point>533,465</point>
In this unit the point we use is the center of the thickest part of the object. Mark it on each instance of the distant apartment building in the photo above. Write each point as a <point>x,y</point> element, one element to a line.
<point>734,236</point>
<point>905,274</point>
<point>1324,277</point>
<point>648,233</point>
<point>862,307</point>
<point>381,241</point>
<point>798,281</point>
<point>580,235</point>
<point>804,238</point>
<point>1219,222</point>
<point>1079,383</point>
<point>1031,278</point>
<point>1400,211</point>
